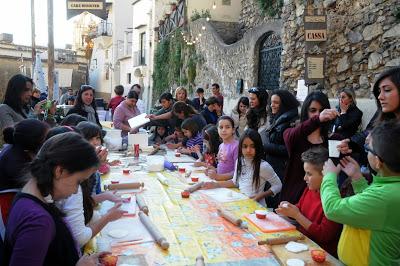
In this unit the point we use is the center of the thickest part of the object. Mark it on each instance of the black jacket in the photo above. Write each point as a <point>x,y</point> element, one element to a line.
<point>274,145</point>
<point>347,124</point>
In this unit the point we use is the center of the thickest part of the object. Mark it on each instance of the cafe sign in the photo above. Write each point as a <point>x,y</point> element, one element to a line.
<point>95,7</point>
<point>315,35</point>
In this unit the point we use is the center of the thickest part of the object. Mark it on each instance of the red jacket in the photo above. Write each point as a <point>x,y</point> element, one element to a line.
<point>323,231</point>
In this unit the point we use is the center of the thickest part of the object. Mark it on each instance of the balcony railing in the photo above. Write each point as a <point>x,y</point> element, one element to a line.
<point>139,58</point>
<point>102,29</point>
<point>176,19</point>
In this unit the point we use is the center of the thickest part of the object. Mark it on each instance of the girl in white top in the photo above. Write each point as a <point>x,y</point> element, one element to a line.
<point>251,171</point>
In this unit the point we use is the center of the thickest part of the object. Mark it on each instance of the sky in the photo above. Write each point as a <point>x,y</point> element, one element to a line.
<point>15,18</point>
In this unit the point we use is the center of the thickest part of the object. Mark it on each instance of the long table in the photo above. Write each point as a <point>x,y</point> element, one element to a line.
<point>193,227</point>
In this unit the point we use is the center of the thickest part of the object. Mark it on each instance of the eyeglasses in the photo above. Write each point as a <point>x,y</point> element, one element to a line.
<point>253,90</point>
<point>367,149</point>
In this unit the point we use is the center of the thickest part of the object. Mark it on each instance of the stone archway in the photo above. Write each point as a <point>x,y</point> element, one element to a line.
<point>269,66</point>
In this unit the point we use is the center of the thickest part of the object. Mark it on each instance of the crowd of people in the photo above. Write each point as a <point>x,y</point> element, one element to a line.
<point>270,148</point>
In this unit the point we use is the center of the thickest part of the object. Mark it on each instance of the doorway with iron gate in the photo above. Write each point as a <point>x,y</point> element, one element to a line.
<point>269,66</point>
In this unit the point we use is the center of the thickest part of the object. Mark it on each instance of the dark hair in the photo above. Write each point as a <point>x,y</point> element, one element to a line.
<point>394,75</point>
<point>16,86</point>
<point>68,150</point>
<point>323,100</point>
<point>191,125</point>
<point>72,120</point>
<point>317,96</point>
<point>243,100</point>
<point>210,134</point>
<point>165,96</point>
<point>132,95</point>
<point>316,156</point>
<point>254,136</point>
<point>226,117</point>
<point>78,101</point>
<point>179,107</point>
<point>90,130</point>
<point>216,85</point>
<point>62,129</point>
<point>155,134</point>
<point>386,143</point>
<point>199,90</point>
<point>136,85</point>
<point>212,100</point>
<point>254,115</point>
<point>288,101</point>
<point>29,134</point>
<point>119,90</point>
<point>71,98</point>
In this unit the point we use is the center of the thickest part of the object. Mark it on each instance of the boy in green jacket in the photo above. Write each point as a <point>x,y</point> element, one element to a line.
<point>371,218</point>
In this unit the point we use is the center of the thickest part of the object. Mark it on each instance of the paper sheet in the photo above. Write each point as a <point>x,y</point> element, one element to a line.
<point>223,194</point>
<point>138,120</point>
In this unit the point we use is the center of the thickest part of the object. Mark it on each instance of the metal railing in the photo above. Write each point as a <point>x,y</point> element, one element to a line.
<point>102,29</point>
<point>175,20</point>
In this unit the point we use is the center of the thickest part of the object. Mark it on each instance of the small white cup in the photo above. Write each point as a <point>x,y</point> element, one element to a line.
<point>333,151</point>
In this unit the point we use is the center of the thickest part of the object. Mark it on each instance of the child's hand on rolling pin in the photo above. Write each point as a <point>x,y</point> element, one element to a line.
<point>288,209</point>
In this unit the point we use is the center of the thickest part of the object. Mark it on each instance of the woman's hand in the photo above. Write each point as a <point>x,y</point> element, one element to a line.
<point>328,115</point>
<point>115,212</point>
<point>344,147</point>
<point>112,196</point>
<point>151,117</point>
<point>288,209</point>
<point>133,130</point>
<point>211,173</point>
<point>210,185</point>
<point>258,196</point>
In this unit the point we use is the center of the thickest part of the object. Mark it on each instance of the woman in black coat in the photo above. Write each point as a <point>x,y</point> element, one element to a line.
<point>85,105</point>
<point>350,117</point>
<point>284,113</point>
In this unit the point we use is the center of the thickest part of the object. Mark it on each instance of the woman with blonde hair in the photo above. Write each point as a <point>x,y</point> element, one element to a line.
<point>181,96</point>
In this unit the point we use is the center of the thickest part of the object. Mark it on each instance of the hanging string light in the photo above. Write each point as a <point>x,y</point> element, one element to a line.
<point>214,6</point>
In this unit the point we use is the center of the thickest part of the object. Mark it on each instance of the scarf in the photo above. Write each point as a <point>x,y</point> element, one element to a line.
<point>91,113</point>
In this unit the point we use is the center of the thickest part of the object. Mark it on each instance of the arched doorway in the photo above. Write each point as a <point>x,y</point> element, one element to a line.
<point>270,61</point>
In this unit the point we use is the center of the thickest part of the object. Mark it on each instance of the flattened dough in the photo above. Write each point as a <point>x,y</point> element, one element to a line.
<point>295,262</point>
<point>118,233</point>
<point>296,247</point>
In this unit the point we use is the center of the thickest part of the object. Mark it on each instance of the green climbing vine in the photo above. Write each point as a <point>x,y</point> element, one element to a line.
<point>271,7</point>
<point>175,64</point>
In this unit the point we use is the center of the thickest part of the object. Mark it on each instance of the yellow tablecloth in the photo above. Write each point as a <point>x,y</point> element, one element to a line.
<point>193,227</point>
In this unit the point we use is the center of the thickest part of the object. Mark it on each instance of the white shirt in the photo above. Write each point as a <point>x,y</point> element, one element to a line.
<point>141,106</point>
<point>245,180</point>
<point>73,208</point>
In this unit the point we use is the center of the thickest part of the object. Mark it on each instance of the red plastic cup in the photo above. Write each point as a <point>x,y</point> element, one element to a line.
<point>185,194</point>
<point>195,179</point>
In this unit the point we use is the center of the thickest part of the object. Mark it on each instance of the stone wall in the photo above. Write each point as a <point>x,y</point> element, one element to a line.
<point>223,63</point>
<point>228,31</point>
<point>251,16</point>
<point>363,39</point>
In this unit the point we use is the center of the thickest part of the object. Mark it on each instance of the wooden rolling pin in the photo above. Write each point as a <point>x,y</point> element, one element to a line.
<point>231,217</point>
<point>154,232</point>
<point>194,187</point>
<point>280,240</point>
<point>200,261</point>
<point>142,204</point>
<point>133,185</point>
